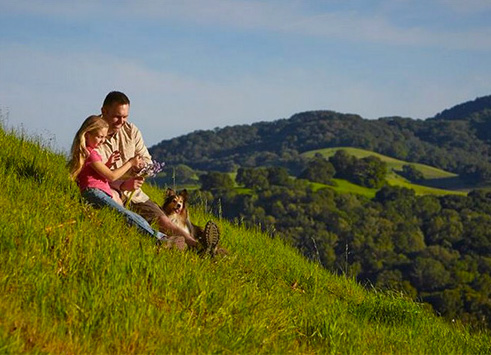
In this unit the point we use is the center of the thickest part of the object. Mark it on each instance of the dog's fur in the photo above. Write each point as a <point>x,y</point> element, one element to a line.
<point>175,207</point>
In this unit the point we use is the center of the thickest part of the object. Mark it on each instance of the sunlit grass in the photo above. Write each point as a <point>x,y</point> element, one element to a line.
<point>74,280</point>
<point>429,172</point>
<point>393,179</point>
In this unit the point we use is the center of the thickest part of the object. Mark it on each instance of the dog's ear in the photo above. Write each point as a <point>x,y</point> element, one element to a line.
<point>184,194</point>
<point>169,192</point>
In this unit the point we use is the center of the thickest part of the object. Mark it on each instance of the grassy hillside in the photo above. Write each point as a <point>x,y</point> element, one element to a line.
<point>76,280</point>
<point>429,172</point>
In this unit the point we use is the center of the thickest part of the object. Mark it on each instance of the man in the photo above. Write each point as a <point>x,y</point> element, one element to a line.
<point>124,137</point>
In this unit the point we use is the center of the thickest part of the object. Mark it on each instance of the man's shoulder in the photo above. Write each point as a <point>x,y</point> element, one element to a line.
<point>130,128</point>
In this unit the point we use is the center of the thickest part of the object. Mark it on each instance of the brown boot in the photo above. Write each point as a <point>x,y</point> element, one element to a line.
<point>211,238</point>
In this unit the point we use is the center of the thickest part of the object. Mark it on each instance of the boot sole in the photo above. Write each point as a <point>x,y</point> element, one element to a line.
<point>211,237</point>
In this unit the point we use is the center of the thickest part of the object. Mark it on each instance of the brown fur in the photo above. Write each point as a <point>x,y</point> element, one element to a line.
<point>175,207</point>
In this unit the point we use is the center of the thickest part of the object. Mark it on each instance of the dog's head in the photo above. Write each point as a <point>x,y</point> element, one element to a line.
<point>175,202</point>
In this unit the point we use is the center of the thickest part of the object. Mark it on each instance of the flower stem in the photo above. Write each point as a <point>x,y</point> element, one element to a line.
<point>127,203</point>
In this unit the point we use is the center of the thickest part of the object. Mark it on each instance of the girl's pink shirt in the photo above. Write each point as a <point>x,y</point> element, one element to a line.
<point>89,178</point>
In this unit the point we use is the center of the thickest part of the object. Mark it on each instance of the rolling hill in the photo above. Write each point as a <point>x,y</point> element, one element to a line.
<point>429,172</point>
<point>434,177</point>
<point>457,141</point>
<point>77,280</point>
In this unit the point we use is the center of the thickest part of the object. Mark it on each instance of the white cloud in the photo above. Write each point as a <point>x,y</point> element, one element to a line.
<point>278,16</point>
<point>54,91</point>
<point>293,18</point>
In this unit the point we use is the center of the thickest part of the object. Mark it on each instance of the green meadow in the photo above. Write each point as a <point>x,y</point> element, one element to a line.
<point>429,172</point>
<point>393,166</point>
<point>75,280</point>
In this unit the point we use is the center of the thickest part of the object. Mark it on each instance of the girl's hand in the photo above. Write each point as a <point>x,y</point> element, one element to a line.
<point>113,158</point>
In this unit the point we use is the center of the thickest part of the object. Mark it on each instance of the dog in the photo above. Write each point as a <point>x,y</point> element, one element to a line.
<point>175,207</point>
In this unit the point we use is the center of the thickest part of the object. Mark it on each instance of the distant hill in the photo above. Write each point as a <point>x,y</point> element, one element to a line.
<point>467,109</point>
<point>428,172</point>
<point>432,245</point>
<point>436,181</point>
<point>457,140</point>
<point>477,113</point>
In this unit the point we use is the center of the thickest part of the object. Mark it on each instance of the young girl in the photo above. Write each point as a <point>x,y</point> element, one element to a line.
<point>93,176</point>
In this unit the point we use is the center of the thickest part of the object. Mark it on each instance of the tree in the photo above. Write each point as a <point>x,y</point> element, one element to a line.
<point>343,164</point>
<point>408,238</point>
<point>278,176</point>
<point>253,177</point>
<point>411,173</point>
<point>426,207</point>
<point>429,274</point>
<point>370,172</point>
<point>216,180</point>
<point>394,193</point>
<point>318,170</point>
<point>445,228</point>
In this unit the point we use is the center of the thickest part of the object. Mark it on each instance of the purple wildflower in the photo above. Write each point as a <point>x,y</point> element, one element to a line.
<point>151,169</point>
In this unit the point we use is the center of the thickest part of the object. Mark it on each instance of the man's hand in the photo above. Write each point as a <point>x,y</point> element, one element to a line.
<point>133,183</point>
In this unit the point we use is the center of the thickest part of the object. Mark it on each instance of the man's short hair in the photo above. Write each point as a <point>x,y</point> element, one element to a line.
<point>115,97</point>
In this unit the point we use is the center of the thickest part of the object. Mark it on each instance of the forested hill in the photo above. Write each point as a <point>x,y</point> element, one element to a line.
<point>480,107</point>
<point>457,140</point>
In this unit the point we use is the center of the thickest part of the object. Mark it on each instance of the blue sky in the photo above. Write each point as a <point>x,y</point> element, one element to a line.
<point>200,64</point>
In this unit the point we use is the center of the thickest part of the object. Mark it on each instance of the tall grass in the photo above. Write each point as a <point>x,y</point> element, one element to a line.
<point>77,280</point>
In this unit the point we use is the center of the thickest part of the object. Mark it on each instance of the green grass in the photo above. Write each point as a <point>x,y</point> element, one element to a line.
<point>393,166</point>
<point>429,172</point>
<point>74,280</point>
<point>344,186</point>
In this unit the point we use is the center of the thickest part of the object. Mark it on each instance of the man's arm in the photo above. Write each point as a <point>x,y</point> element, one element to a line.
<point>135,183</point>
<point>140,147</point>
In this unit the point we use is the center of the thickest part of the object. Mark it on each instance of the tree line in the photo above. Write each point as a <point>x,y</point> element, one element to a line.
<point>435,249</point>
<point>457,140</point>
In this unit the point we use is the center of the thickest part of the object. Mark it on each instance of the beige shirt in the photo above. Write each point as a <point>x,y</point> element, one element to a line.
<point>129,141</point>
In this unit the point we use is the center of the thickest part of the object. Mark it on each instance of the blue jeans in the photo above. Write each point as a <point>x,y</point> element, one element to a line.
<point>99,199</point>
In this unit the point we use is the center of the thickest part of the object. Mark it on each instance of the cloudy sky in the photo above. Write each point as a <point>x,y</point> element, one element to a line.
<point>200,64</point>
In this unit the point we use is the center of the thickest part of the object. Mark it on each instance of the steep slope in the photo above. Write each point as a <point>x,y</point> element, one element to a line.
<point>78,280</point>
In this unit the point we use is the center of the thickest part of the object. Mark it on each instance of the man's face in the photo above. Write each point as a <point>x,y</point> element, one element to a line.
<point>115,115</point>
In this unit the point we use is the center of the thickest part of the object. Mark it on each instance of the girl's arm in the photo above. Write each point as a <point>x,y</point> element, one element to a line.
<point>115,174</point>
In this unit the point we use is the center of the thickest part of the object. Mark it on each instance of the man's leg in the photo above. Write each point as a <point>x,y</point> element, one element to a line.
<point>152,213</point>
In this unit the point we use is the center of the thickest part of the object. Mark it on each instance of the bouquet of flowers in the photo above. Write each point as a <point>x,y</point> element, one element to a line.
<point>149,170</point>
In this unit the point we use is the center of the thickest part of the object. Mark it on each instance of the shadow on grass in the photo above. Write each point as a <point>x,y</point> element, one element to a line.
<point>451,183</point>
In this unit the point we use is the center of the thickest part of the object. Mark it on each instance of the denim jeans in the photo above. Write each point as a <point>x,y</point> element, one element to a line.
<point>99,199</point>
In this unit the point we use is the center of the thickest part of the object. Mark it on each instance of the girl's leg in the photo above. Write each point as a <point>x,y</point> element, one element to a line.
<point>100,199</point>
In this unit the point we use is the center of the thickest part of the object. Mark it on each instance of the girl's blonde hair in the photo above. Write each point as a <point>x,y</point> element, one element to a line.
<point>79,150</point>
